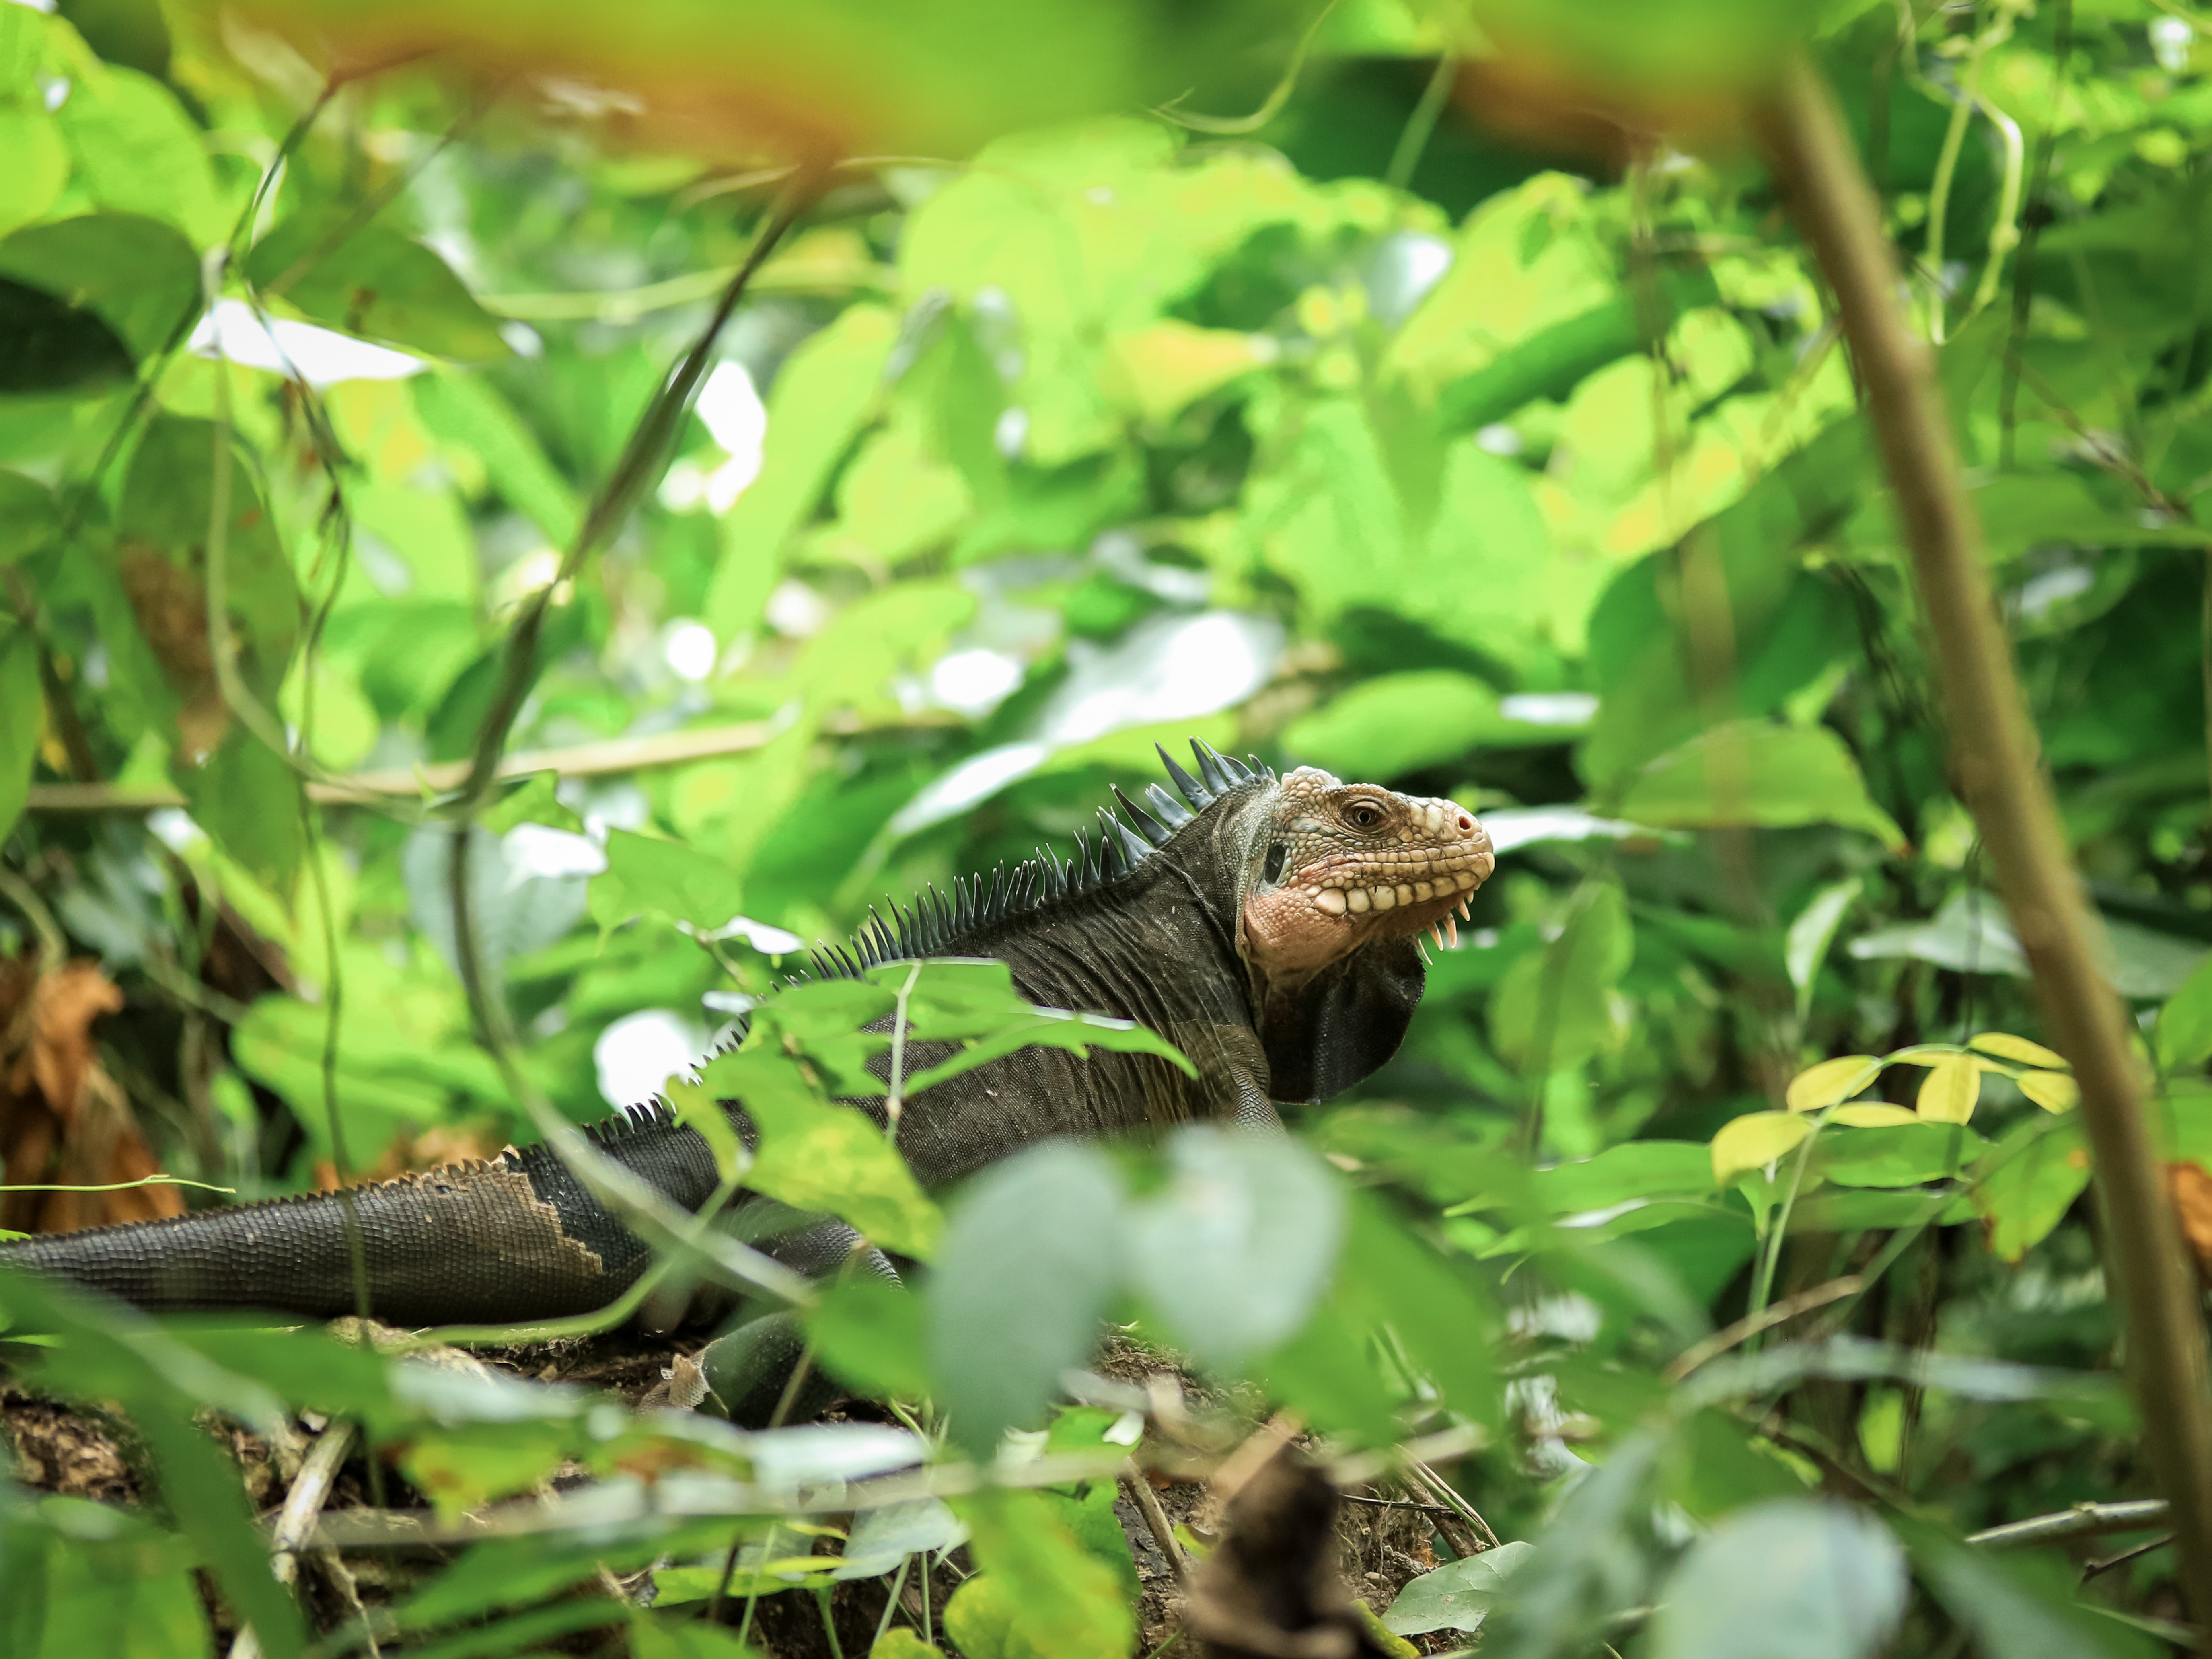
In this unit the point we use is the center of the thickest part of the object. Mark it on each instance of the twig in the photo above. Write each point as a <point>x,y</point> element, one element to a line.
<point>1421,1477</point>
<point>354,788</point>
<point>632,474</point>
<point>2107,1563</point>
<point>303,1504</point>
<point>1993,757</point>
<point>1766,1319</point>
<point>2082,1521</point>
<point>1156,1518</point>
<point>1397,1504</point>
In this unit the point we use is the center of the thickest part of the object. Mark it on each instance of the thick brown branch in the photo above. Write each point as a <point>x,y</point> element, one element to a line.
<point>1997,769</point>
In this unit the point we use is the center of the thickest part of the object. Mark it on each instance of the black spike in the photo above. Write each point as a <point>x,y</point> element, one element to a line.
<point>1147,826</point>
<point>1211,768</point>
<point>1130,848</point>
<point>1195,792</point>
<point>1173,813</point>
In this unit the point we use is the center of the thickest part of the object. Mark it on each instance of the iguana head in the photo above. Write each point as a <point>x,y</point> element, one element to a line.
<point>1339,881</point>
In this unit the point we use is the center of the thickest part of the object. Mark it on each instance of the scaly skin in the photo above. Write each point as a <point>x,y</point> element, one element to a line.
<point>1270,935</point>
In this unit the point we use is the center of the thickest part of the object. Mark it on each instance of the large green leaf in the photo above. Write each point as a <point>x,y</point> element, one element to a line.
<point>1794,1578</point>
<point>22,708</point>
<point>135,273</point>
<point>134,149</point>
<point>1234,1250</point>
<point>371,281</point>
<point>1758,773</point>
<point>1029,1261</point>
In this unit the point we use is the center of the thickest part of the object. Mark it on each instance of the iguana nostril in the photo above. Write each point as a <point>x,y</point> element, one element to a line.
<point>1466,825</point>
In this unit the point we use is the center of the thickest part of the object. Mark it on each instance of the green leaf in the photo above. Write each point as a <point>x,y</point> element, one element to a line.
<point>1384,727</point>
<point>2022,1200</point>
<point>1619,1175</point>
<point>369,281</point>
<point>869,1335</point>
<point>1327,1372</point>
<point>683,1638</point>
<point>666,877</point>
<point>1442,1318</point>
<point>22,709</point>
<point>85,1578</point>
<point>882,1538</point>
<point>1757,772</point>
<point>1949,1091</point>
<point>2018,1049</point>
<point>135,150</point>
<point>1054,1598</point>
<point>467,414</point>
<point>817,1155</point>
<point>2183,1038</point>
<point>820,398</point>
<point>38,165</point>
<point>1830,1081</point>
<point>1553,1010</point>
<point>1552,363</point>
<point>1755,1140</point>
<point>900,1643</point>
<point>1460,1595</point>
<point>135,273</point>
<point>1906,1155</point>
<point>2023,1609</point>
<point>1811,935</point>
<point>1030,1260</point>
<point>1234,1250</point>
<point>47,347</point>
<point>113,1353</point>
<point>1792,1578</point>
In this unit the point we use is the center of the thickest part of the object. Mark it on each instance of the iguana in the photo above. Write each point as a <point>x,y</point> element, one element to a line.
<point>1268,927</point>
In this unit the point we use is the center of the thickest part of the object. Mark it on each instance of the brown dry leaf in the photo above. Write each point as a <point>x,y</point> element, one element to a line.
<point>63,1121</point>
<point>436,1148</point>
<point>1274,1588</point>
<point>170,604</point>
<point>2192,1186</point>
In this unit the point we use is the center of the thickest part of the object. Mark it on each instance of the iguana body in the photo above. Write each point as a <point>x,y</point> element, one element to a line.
<point>1267,930</point>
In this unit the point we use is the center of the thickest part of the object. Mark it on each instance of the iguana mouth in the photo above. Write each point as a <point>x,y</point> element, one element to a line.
<point>1356,862</point>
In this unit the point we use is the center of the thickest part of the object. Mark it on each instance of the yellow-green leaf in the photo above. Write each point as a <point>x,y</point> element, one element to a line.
<point>2005,1045</point>
<point>1873,1114</point>
<point>2054,1091</point>
<point>1830,1081</point>
<point>1921,1054</point>
<point>1754,1141</point>
<point>1947,1095</point>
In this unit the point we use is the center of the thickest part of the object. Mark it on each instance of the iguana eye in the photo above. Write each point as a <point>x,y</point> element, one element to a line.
<point>1362,815</point>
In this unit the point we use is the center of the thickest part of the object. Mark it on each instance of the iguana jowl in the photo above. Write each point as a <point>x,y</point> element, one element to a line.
<point>1267,929</point>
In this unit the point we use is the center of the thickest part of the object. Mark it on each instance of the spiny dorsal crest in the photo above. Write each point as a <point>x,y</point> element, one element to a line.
<point>934,922</point>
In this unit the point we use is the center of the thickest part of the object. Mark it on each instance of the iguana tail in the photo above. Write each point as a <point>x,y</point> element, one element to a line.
<point>515,1238</point>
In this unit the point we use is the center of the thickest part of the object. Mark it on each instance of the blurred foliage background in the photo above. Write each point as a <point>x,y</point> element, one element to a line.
<point>1329,386</point>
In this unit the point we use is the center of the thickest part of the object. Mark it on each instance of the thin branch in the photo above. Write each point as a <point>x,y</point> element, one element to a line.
<point>1766,1319</point>
<point>1993,757</point>
<point>2082,1521</point>
<point>633,475</point>
<point>1148,1503</point>
<point>615,755</point>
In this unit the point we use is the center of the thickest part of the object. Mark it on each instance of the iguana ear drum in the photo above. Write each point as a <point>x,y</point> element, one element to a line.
<point>1274,872</point>
<point>1342,1025</point>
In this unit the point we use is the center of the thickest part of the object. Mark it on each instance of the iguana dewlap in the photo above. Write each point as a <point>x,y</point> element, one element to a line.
<point>1268,929</point>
